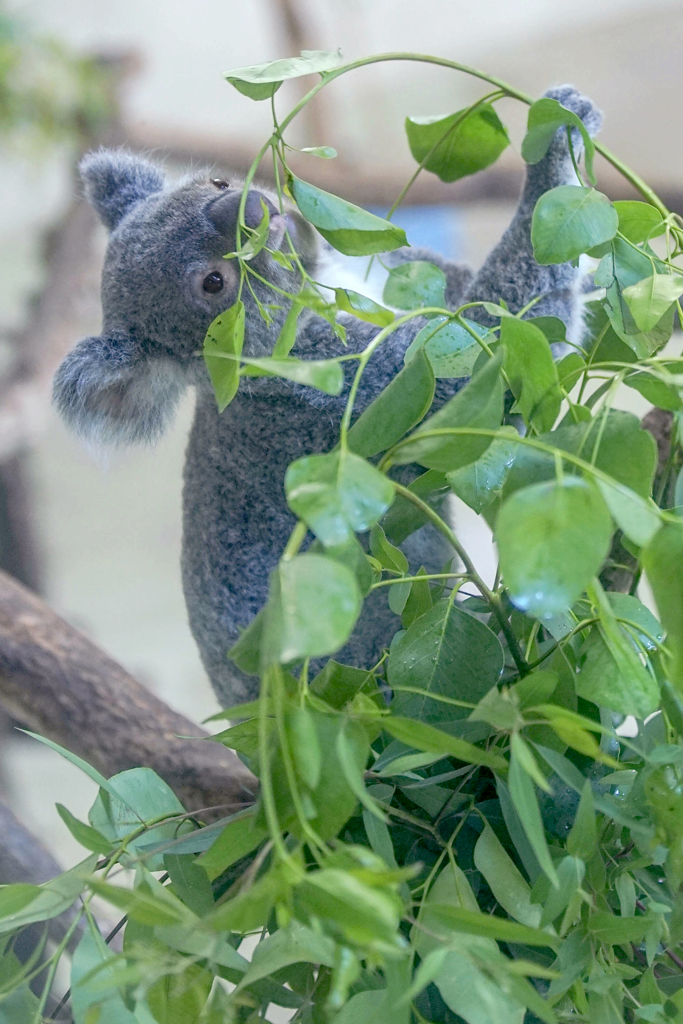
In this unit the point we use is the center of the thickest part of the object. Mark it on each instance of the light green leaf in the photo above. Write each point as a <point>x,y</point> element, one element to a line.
<point>472,922</point>
<point>313,606</point>
<point>414,285</point>
<point>395,411</point>
<point>570,220</point>
<point>239,837</point>
<point>552,539</point>
<point>51,900</point>
<point>478,405</point>
<point>291,945</point>
<point>89,1001</point>
<point>583,838</point>
<point>650,298</point>
<point>449,653</point>
<point>336,494</point>
<point>225,335</point>
<point>639,222</point>
<point>639,519</point>
<point>504,879</point>
<point>570,872</point>
<point>261,81</point>
<point>458,145</point>
<point>425,737</point>
<point>663,563</point>
<point>324,374</point>
<point>348,228</point>
<point>450,348</point>
<point>362,307</point>
<point>88,837</point>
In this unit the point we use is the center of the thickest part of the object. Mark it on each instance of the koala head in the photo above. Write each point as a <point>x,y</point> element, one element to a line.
<point>164,280</point>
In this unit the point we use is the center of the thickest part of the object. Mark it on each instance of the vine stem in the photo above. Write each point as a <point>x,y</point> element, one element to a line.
<point>488,595</point>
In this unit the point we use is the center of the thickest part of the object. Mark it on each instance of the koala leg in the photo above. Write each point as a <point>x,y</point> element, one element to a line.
<point>510,272</point>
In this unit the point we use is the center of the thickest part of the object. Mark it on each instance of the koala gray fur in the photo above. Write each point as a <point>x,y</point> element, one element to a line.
<point>122,387</point>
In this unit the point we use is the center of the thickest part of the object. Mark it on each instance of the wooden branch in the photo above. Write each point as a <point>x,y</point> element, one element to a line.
<point>62,686</point>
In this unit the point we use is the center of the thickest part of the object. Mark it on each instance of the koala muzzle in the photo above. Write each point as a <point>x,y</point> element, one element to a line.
<point>223,210</point>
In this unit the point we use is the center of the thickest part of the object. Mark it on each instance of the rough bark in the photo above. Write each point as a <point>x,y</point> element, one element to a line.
<point>62,686</point>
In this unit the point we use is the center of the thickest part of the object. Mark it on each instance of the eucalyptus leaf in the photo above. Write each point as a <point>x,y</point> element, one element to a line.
<point>546,116</point>
<point>568,221</point>
<point>414,285</point>
<point>348,228</point>
<point>261,81</point>
<point>460,144</point>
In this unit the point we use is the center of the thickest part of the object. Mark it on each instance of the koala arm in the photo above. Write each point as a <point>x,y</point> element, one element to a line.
<point>510,271</point>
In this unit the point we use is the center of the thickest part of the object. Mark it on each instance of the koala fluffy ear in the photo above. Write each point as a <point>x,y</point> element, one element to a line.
<point>115,181</point>
<point>110,392</point>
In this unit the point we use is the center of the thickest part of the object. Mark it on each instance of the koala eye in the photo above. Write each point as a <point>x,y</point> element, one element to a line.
<point>220,183</point>
<point>213,282</point>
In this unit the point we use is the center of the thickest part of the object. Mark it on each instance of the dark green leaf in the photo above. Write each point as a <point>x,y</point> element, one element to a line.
<point>552,539</point>
<point>479,405</point>
<point>449,653</point>
<point>545,117</point>
<point>480,483</point>
<point>414,285</point>
<point>505,880</point>
<point>473,923</point>
<point>617,930</point>
<point>395,411</point>
<point>348,228</point>
<point>460,144</point>
<point>531,372</point>
<point>583,838</point>
<point>239,837</point>
<point>570,220</point>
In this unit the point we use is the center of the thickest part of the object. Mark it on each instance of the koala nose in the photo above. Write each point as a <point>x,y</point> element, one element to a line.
<point>253,209</point>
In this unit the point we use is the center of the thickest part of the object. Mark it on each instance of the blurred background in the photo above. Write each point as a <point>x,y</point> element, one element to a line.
<point>98,534</point>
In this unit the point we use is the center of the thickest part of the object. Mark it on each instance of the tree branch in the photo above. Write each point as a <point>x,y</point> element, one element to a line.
<point>63,687</point>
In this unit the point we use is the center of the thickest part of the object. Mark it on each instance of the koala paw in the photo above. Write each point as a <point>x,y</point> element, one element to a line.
<point>579,104</point>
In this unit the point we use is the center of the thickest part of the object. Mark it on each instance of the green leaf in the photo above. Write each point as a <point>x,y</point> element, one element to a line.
<point>239,837</point>
<point>246,651</point>
<point>91,772</point>
<point>527,761</point>
<point>449,653</point>
<point>425,737</point>
<point>141,904</point>
<point>338,684</point>
<point>637,518</point>
<point>261,81</point>
<point>583,838</point>
<point>389,556</point>
<point>480,483</point>
<point>523,797</point>
<point>615,443</point>
<point>250,908</point>
<point>294,944</point>
<point>536,688</point>
<point>478,405</point>
<point>659,385</point>
<point>414,285</point>
<point>545,117</point>
<point>313,606</point>
<point>52,899</point>
<point>190,882</point>
<point>639,222</point>
<point>449,347</point>
<point>180,998</point>
<point>472,922</point>
<point>286,339</point>
<point>362,307</point>
<point>395,411</point>
<point>336,494</point>
<point>552,539</point>
<point>225,335</point>
<point>570,220</point>
<point>89,1001</point>
<point>649,299</point>
<point>366,915</point>
<point>14,898</point>
<point>140,795</point>
<point>304,745</point>
<point>614,930</point>
<point>323,374</point>
<point>324,152</point>
<point>458,145</point>
<point>472,993</point>
<point>88,837</point>
<point>348,228</point>
<point>505,880</point>
<point>663,564</point>
<point>648,630</point>
<point>531,371</point>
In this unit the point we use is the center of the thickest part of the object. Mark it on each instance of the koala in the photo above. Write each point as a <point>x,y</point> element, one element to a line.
<point>165,279</point>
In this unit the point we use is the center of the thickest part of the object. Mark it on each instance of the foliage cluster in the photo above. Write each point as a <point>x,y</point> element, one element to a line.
<point>484,847</point>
